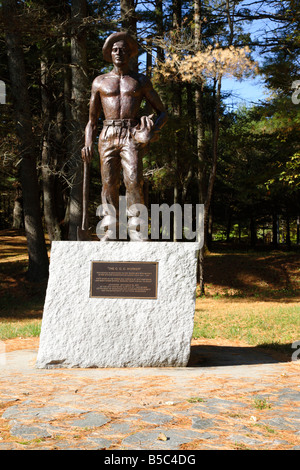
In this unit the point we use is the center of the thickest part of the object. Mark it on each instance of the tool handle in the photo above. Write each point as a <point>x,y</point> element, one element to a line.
<point>85,195</point>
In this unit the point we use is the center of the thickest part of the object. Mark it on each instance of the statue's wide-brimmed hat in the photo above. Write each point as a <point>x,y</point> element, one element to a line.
<point>115,37</point>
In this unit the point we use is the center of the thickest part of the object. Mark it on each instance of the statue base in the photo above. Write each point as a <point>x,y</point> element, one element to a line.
<point>119,304</point>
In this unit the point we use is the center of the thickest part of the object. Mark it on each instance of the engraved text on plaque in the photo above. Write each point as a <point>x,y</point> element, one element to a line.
<point>124,279</point>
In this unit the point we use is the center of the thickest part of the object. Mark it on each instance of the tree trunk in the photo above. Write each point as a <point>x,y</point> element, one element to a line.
<point>129,21</point>
<point>199,104</point>
<point>228,228</point>
<point>186,183</point>
<point>148,108</point>
<point>18,216</point>
<point>209,235</point>
<point>253,235</point>
<point>79,112</point>
<point>200,142</point>
<point>177,110</point>
<point>213,170</point>
<point>159,28</point>
<point>191,138</point>
<point>128,16</point>
<point>288,234</point>
<point>199,109</point>
<point>37,252</point>
<point>48,163</point>
<point>175,220</point>
<point>275,230</point>
<point>177,14</point>
<point>67,86</point>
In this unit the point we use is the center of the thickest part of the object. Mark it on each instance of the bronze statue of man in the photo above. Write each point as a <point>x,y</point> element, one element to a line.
<point>124,137</point>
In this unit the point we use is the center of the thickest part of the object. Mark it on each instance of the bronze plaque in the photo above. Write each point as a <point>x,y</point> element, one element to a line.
<point>124,279</point>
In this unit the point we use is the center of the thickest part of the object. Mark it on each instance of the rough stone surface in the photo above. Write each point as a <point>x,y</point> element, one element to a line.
<point>282,423</point>
<point>79,331</point>
<point>155,418</point>
<point>201,423</point>
<point>29,432</point>
<point>163,439</point>
<point>101,443</point>
<point>48,413</point>
<point>91,420</point>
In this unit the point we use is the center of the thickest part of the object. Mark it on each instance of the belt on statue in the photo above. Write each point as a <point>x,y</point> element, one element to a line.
<point>120,122</point>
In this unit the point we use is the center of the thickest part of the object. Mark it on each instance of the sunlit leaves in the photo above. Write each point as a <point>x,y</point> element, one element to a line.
<point>212,63</point>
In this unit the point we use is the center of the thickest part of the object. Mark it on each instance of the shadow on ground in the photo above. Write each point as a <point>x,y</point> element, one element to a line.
<point>259,276</point>
<point>216,356</point>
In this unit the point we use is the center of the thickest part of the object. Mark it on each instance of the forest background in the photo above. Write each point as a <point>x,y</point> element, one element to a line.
<point>242,163</point>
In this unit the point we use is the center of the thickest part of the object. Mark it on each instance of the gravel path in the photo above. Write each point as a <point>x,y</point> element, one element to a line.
<point>230,398</point>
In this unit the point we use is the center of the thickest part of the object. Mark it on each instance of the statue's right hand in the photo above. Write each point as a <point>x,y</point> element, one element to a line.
<point>87,154</point>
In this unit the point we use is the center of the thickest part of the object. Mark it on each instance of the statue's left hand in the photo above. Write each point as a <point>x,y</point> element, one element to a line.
<point>146,132</point>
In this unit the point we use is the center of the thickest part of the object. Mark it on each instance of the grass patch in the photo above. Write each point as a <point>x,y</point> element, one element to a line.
<point>196,400</point>
<point>269,324</point>
<point>23,329</point>
<point>203,329</point>
<point>268,429</point>
<point>240,446</point>
<point>261,404</point>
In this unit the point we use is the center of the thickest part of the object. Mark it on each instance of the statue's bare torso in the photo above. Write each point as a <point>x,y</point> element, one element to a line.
<point>121,95</point>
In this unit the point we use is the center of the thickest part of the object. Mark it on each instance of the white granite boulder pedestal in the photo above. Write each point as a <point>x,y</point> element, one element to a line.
<point>83,331</point>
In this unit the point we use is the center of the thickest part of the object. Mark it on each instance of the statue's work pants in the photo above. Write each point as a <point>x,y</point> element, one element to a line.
<point>119,151</point>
